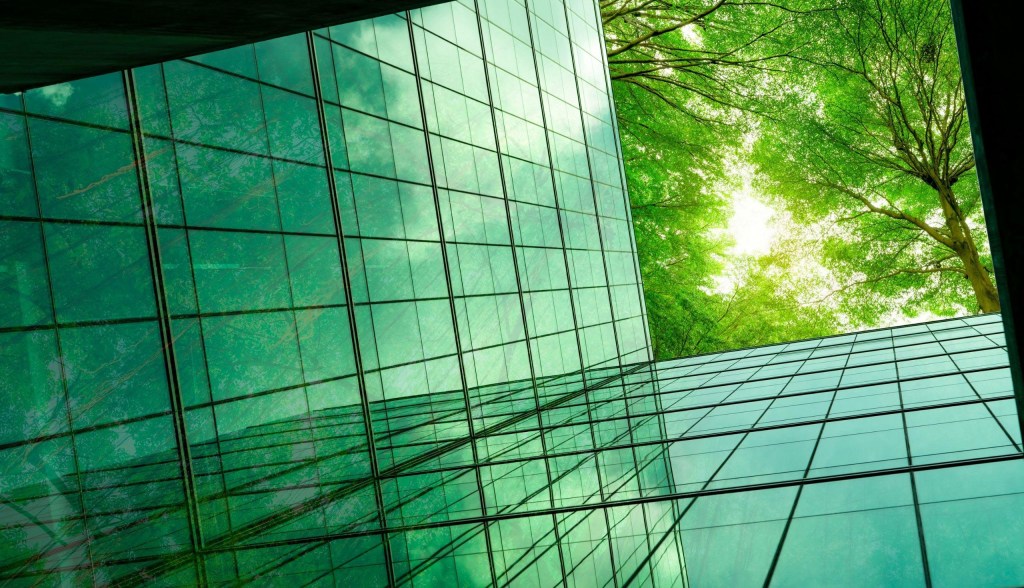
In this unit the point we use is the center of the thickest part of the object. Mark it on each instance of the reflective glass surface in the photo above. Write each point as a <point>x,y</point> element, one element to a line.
<point>360,307</point>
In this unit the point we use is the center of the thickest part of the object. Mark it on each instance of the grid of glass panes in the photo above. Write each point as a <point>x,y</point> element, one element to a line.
<point>83,379</point>
<point>889,457</point>
<point>479,264</point>
<point>327,231</point>
<point>837,461</point>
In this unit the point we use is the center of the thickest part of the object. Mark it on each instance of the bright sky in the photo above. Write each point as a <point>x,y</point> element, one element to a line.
<point>750,225</point>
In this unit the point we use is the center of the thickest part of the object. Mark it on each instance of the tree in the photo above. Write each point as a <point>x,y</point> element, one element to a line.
<point>685,80</point>
<point>696,56</point>
<point>676,211</point>
<point>871,134</point>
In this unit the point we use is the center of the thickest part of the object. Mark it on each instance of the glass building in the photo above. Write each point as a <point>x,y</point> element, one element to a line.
<point>361,307</point>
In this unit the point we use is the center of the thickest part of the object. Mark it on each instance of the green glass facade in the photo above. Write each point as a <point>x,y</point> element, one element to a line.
<point>351,240</point>
<point>361,307</point>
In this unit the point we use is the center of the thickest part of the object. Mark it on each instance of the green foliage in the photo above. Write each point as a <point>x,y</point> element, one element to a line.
<point>853,114</point>
<point>683,105</point>
<point>870,134</point>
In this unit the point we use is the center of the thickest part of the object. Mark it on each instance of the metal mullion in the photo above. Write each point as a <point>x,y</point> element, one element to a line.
<point>519,283</point>
<point>68,221</point>
<point>303,549</point>
<point>985,403</point>
<point>80,123</point>
<point>840,387</point>
<point>799,491</point>
<point>824,340</point>
<point>913,481</point>
<point>165,325</point>
<point>327,37</point>
<point>199,322</point>
<point>83,516</point>
<point>198,316</point>
<point>449,287</point>
<point>596,542</point>
<point>249,230</point>
<point>72,432</point>
<point>350,306</point>
<point>455,474</point>
<point>227,492</point>
<point>315,463</point>
<point>233,541</point>
<point>671,496</point>
<point>568,276</point>
<point>451,445</point>
<point>449,548</point>
<point>679,518</point>
<point>625,190</point>
<point>713,434</point>
<point>224,149</point>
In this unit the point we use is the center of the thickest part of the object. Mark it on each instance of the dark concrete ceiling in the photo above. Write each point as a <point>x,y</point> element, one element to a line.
<point>43,43</point>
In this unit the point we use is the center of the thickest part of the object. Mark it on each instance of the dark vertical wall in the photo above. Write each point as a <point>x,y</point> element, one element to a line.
<point>991,57</point>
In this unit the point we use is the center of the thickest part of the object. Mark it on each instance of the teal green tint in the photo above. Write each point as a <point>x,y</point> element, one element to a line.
<point>238,415</point>
<point>164,183</point>
<point>358,35</point>
<point>410,154</point>
<point>970,519</point>
<point>98,100</point>
<point>177,271</point>
<point>314,266</point>
<point>190,357</point>
<point>292,126</point>
<point>378,207</point>
<point>214,108</point>
<point>387,266</point>
<point>323,340</point>
<point>363,87</point>
<point>285,62</point>
<point>240,194</point>
<point>99,272</point>
<point>860,445</point>
<point>393,41</point>
<point>936,435</point>
<point>17,193</point>
<point>428,364</point>
<point>11,101</point>
<point>853,533</point>
<point>361,562</point>
<point>30,382</point>
<point>251,353</point>
<point>525,549</point>
<point>303,198</point>
<point>369,144</point>
<point>114,372</point>
<point>238,60</point>
<point>401,96</point>
<point>239,271</point>
<point>397,318</point>
<point>336,137</point>
<point>464,562</point>
<point>418,212</point>
<point>84,173</point>
<point>715,527</point>
<point>153,113</point>
<point>25,297</point>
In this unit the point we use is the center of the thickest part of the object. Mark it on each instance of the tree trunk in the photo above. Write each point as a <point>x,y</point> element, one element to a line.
<point>984,290</point>
<point>966,249</point>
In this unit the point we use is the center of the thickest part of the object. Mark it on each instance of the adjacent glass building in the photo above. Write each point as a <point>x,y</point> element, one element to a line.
<point>361,307</point>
